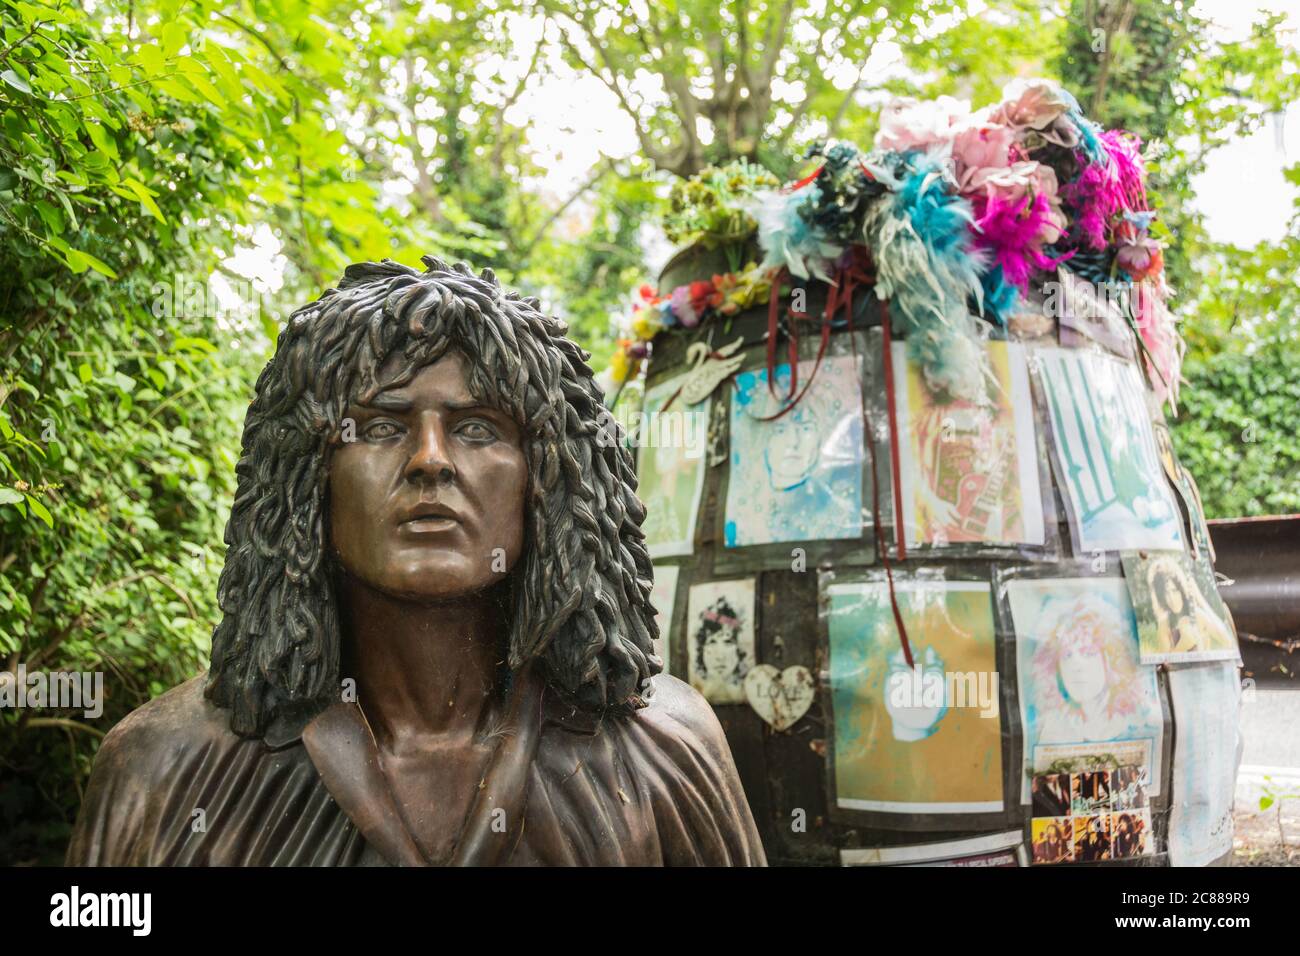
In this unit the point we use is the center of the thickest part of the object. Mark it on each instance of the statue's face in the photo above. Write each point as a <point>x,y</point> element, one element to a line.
<point>428,502</point>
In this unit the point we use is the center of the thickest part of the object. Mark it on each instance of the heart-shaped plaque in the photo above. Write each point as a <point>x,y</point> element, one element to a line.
<point>780,697</point>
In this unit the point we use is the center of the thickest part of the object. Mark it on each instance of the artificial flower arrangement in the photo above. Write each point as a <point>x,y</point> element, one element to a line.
<point>960,212</point>
<point>704,210</point>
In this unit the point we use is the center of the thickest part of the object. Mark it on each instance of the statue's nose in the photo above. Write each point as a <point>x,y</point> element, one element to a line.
<point>431,457</point>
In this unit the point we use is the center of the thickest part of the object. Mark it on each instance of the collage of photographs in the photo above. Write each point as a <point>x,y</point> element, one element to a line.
<point>1091,816</point>
<point>1049,561</point>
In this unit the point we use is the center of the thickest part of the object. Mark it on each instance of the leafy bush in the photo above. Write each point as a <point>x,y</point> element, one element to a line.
<point>1237,433</point>
<point>118,426</point>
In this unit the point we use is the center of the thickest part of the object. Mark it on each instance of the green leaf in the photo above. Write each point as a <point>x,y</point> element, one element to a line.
<point>9,496</point>
<point>145,196</point>
<point>151,59</point>
<point>40,510</point>
<point>85,372</point>
<point>16,81</point>
<point>103,142</point>
<point>79,261</point>
<point>194,344</point>
<point>201,83</point>
<point>174,35</point>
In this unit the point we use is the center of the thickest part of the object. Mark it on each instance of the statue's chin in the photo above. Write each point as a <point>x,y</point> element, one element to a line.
<point>429,582</point>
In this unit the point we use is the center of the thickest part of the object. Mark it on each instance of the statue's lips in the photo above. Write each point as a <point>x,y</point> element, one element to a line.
<point>430,518</point>
<point>432,525</point>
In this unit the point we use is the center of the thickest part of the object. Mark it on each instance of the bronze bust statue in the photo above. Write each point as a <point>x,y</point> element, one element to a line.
<point>437,644</point>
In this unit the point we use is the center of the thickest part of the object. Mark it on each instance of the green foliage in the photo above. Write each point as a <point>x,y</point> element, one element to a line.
<point>1236,432</point>
<point>738,79</point>
<point>587,280</point>
<point>1150,66</point>
<point>118,426</point>
<point>1123,60</point>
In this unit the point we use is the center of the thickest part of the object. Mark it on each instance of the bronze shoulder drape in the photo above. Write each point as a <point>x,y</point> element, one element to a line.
<point>173,786</point>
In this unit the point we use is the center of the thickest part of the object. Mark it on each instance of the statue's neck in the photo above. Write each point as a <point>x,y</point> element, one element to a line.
<point>420,668</point>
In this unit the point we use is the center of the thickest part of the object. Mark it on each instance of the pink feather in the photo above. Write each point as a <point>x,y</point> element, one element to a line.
<point>1103,191</point>
<point>1013,232</point>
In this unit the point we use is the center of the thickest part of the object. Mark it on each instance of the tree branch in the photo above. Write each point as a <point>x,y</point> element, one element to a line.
<point>604,167</point>
<point>653,153</point>
<point>65,723</point>
<point>772,46</point>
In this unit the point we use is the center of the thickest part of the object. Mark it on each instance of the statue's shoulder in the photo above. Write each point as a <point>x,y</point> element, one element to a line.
<point>702,785</point>
<point>169,727</point>
<point>141,792</point>
<point>677,700</point>
<point>673,711</point>
<point>679,708</point>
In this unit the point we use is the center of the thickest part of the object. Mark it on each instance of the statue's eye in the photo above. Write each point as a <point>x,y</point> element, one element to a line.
<point>380,430</point>
<point>476,430</point>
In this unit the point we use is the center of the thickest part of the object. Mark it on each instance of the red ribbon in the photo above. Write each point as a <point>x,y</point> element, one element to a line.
<point>893,430</point>
<point>875,487</point>
<point>857,271</point>
<point>794,187</point>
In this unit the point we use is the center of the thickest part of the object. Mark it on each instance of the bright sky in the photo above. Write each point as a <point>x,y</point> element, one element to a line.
<point>1242,193</point>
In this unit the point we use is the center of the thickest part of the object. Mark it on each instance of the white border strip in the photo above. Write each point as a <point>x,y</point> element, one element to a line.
<point>929,852</point>
<point>891,806</point>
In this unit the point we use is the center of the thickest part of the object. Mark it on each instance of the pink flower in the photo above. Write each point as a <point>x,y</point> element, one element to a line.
<point>683,308</point>
<point>909,124</point>
<point>983,146</point>
<point>1013,183</point>
<point>1017,213</point>
<point>1047,186</point>
<point>1140,258</point>
<point>1030,104</point>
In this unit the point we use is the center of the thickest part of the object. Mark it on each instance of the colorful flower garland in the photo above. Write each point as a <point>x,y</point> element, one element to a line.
<point>962,212</point>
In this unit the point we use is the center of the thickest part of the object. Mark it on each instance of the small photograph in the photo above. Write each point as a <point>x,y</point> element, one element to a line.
<point>1053,840</point>
<point>1050,795</point>
<point>1180,615</point>
<point>1131,834</point>
<point>720,633</point>
<point>1092,838</point>
<point>796,471</point>
<point>1090,792</point>
<point>1128,788</point>
<point>1114,487</point>
<point>1085,699</point>
<point>903,741</point>
<point>1206,701</point>
<point>968,464</point>
<point>670,470</point>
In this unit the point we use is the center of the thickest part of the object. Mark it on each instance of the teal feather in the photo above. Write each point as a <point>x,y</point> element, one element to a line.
<point>927,267</point>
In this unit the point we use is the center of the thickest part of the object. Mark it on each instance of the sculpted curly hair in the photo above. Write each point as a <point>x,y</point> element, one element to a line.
<point>580,590</point>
